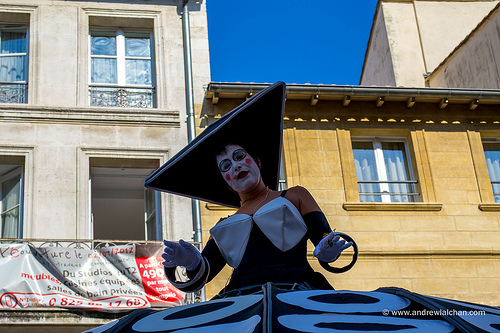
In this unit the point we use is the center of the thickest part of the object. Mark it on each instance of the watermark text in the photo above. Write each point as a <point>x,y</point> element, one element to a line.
<point>436,313</point>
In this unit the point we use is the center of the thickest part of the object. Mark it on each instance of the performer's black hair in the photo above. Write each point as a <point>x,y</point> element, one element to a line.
<point>222,149</point>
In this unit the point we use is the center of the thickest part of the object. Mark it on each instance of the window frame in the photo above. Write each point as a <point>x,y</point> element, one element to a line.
<point>476,136</point>
<point>84,197</point>
<point>17,171</point>
<point>378,152</point>
<point>419,161</point>
<point>104,170</point>
<point>21,85</point>
<point>121,85</point>
<point>494,141</point>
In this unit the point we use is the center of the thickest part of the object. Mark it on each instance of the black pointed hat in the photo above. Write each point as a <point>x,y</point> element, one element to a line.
<point>256,125</point>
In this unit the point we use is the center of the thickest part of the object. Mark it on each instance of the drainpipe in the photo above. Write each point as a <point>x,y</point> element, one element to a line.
<point>188,73</point>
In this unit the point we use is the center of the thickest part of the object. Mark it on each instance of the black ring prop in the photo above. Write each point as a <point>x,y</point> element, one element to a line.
<point>337,270</point>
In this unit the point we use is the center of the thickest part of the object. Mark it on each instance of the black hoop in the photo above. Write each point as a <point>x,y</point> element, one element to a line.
<point>337,270</point>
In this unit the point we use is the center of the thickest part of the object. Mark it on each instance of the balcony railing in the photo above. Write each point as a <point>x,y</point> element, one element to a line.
<point>400,191</point>
<point>13,92</point>
<point>130,97</point>
<point>90,244</point>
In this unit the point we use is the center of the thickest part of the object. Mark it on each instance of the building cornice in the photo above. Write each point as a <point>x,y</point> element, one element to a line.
<point>346,94</point>
<point>92,115</point>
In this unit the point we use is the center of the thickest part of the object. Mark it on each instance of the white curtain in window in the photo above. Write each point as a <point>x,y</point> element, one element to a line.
<point>13,42</point>
<point>138,71</point>
<point>12,68</point>
<point>137,47</point>
<point>104,63</point>
<point>11,192</point>
<point>103,45</point>
<point>366,170</point>
<point>104,70</point>
<point>395,164</point>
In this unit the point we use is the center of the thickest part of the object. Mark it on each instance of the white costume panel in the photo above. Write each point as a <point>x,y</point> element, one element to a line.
<point>278,219</point>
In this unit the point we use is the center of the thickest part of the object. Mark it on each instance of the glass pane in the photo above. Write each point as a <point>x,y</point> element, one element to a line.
<point>151,228</point>
<point>11,195</point>
<point>492,154</point>
<point>137,47</point>
<point>103,45</point>
<point>104,70</point>
<point>12,69</point>
<point>10,223</point>
<point>13,42</point>
<point>150,202</point>
<point>366,170</point>
<point>138,72</point>
<point>397,170</point>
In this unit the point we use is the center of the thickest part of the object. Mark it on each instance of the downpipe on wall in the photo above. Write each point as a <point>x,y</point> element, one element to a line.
<point>188,74</point>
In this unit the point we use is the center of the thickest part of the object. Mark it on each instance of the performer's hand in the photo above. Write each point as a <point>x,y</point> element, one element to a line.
<point>330,247</point>
<point>181,254</point>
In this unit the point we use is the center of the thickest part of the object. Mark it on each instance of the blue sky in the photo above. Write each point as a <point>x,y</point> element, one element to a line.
<point>308,41</point>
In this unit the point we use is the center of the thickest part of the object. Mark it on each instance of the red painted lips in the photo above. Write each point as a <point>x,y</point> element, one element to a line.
<point>242,174</point>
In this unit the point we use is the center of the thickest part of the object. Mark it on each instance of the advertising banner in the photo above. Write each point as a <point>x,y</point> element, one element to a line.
<point>115,277</point>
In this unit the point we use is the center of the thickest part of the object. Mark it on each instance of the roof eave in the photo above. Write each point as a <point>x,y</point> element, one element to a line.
<point>217,90</point>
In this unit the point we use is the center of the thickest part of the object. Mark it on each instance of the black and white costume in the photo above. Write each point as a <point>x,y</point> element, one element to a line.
<point>268,246</point>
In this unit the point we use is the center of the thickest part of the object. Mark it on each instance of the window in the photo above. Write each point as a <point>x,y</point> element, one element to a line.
<point>492,153</point>
<point>152,215</point>
<point>122,209</point>
<point>383,170</point>
<point>121,69</point>
<point>13,64</point>
<point>11,201</point>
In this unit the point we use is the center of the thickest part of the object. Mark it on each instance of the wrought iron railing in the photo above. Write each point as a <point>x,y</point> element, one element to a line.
<point>90,244</point>
<point>411,195</point>
<point>130,97</point>
<point>13,92</point>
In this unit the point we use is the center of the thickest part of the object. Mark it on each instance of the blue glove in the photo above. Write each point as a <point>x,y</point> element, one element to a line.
<point>180,254</point>
<point>330,248</point>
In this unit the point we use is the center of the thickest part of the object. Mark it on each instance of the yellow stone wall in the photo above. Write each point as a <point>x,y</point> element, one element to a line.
<point>447,245</point>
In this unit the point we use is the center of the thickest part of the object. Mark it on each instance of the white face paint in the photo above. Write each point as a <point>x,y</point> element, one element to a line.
<point>241,174</point>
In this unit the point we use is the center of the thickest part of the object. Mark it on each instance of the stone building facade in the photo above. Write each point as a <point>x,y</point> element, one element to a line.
<point>76,145</point>
<point>441,237</point>
<point>71,125</point>
<point>443,240</point>
<point>410,38</point>
<point>431,223</point>
<point>92,99</point>
<point>474,62</point>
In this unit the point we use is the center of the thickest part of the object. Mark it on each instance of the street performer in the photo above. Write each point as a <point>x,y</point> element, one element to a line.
<point>237,159</point>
